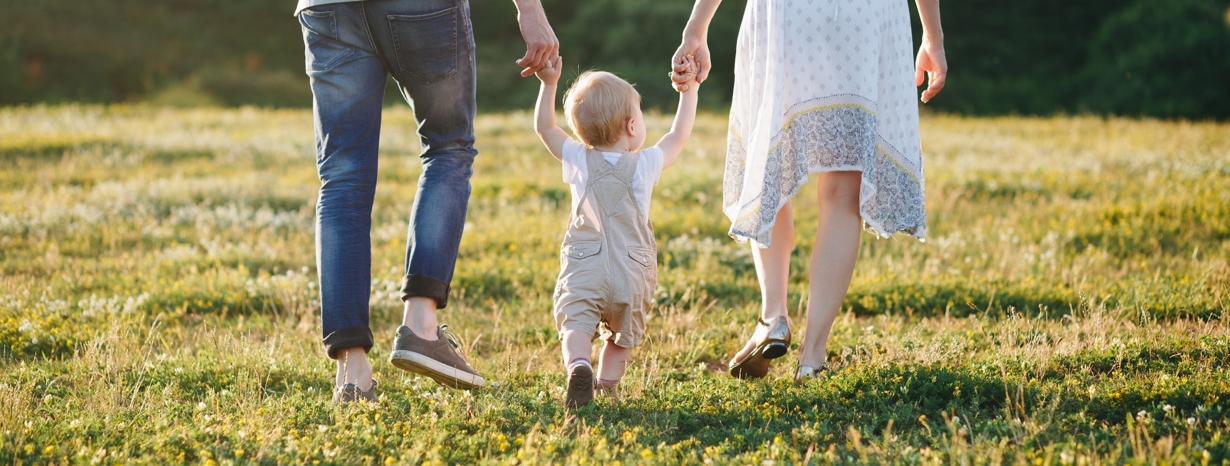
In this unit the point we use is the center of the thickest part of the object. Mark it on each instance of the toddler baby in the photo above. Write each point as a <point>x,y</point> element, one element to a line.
<point>608,259</point>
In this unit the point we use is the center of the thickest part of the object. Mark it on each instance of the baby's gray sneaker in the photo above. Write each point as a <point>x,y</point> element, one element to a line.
<point>350,392</point>
<point>438,359</point>
<point>580,386</point>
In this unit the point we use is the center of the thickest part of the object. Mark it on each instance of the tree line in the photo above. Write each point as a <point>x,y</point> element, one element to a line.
<point>1157,58</point>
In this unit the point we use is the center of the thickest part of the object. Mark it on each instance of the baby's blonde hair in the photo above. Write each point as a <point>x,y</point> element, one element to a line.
<point>597,105</point>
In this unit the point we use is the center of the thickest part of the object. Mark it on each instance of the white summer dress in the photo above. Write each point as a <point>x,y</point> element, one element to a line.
<point>824,85</point>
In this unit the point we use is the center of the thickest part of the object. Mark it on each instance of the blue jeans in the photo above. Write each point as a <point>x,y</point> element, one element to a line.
<point>428,47</point>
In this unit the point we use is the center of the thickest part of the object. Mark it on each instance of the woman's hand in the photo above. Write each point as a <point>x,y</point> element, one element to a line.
<point>698,49</point>
<point>932,64</point>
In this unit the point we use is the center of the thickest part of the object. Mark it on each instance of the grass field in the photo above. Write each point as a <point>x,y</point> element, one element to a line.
<point>158,304</point>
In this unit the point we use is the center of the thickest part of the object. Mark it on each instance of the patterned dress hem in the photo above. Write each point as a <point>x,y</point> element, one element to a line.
<point>836,133</point>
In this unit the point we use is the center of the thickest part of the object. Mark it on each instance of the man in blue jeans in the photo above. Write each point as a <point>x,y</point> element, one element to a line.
<point>428,47</point>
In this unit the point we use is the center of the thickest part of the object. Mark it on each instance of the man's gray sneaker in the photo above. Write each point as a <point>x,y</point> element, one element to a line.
<point>350,392</point>
<point>438,359</point>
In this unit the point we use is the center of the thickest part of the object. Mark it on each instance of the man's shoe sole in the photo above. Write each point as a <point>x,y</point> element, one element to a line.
<point>443,374</point>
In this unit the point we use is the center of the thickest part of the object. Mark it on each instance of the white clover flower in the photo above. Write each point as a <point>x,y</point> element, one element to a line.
<point>1167,408</point>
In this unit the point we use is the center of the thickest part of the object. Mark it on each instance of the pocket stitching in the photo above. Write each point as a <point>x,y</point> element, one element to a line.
<point>332,36</point>
<point>586,252</point>
<point>647,254</point>
<point>398,47</point>
<point>318,14</point>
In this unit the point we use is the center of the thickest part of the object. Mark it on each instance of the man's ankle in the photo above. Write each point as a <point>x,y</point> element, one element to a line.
<point>420,317</point>
<point>355,368</point>
<point>425,331</point>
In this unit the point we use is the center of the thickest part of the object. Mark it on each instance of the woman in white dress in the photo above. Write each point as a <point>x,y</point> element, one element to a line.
<point>828,87</point>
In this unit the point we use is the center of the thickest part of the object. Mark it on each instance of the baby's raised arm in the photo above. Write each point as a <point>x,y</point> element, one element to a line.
<point>544,111</point>
<point>672,143</point>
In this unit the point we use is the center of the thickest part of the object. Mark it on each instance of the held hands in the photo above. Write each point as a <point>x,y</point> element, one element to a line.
<point>541,46</point>
<point>685,75</point>
<point>549,74</point>
<point>932,64</point>
<point>698,49</point>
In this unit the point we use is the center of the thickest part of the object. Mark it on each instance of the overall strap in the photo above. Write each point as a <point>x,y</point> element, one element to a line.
<point>625,170</point>
<point>596,164</point>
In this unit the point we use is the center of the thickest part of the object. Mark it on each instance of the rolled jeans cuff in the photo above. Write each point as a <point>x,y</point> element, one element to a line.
<point>418,285</point>
<point>350,337</point>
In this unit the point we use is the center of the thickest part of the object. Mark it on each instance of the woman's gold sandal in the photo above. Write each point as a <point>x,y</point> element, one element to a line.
<point>772,340</point>
<point>808,373</point>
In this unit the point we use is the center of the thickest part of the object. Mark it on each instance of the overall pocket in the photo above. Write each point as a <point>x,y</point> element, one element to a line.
<point>581,250</point>
<point>426,45</point>
<point>321,48</point>
<point>644,256</point>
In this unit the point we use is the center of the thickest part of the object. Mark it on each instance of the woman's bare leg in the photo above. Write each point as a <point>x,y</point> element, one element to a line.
<point>832,259</point>
<point>773,270</point>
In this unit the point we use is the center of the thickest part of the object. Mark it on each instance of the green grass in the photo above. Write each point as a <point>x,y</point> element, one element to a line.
<point>158,303</point>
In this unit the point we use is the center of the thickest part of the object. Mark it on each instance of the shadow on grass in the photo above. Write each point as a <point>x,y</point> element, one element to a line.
<point>922,403</point>
<point>958,297</point>
<point>746,415</point>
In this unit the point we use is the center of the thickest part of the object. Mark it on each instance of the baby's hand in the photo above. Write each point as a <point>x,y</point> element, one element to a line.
<point>689,76</point>
<point>550,74</point>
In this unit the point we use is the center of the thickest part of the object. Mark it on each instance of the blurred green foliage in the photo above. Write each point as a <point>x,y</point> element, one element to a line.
<point>1138,58</point>
<point>1163,58</point>
<point>1160,58</point>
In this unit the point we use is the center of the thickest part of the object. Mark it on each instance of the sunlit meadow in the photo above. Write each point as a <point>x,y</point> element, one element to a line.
<point>158,303</point>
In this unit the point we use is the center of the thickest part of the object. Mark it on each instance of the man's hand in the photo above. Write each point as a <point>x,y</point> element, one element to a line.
<point>931,63</point>
<point>699,50</point>
<point>541,46</point>
<point>549,74</point>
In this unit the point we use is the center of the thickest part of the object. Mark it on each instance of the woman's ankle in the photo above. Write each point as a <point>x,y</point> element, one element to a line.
<point>815,359</point>
<point>768,314</point>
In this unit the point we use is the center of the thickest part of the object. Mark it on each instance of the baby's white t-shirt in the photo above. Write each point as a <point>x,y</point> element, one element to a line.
<point>576,172</point>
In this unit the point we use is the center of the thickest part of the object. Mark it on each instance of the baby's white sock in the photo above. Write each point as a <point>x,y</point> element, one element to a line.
<point>580,361</point>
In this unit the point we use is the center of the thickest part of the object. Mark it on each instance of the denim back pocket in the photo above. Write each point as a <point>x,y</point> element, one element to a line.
<point>321,48</point>
<point>426,45</point>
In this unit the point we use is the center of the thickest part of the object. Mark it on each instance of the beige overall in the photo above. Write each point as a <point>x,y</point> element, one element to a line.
<point>608,261</point>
